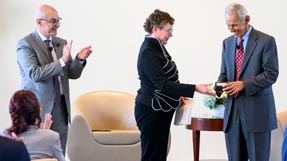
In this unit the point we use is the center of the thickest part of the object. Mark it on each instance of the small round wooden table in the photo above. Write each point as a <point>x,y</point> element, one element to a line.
<point>203,123</point>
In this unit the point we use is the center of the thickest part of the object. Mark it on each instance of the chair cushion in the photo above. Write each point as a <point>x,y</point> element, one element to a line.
<point>117,137</point>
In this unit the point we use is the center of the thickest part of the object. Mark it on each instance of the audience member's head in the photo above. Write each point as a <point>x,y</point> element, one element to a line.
<point>24,110</point>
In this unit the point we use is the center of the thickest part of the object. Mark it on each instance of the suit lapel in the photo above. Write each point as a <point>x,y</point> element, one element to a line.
<point>42,45</point>
<point>231,56</point>
<point>56,46</point>
<point>250,46</point>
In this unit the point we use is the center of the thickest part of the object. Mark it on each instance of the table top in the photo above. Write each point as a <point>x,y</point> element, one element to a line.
<point>205,116</point>
<point>206,123</point>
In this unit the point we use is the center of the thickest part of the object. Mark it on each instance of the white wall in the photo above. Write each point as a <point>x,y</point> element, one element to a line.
<point>114,29</point>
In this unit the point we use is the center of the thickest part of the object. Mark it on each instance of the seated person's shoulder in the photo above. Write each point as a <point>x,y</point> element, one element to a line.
<point>52,133</point>
<point>13,150</point>
<point>47,133</point>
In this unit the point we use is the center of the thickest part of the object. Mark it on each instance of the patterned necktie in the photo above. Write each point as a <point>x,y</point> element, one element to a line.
<point>238,61</point>
<point>57,83</point>
<point>49,49</point>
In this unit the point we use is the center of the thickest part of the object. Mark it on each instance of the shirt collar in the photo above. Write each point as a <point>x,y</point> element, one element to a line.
<point>245,37</point>
<point>43,37</point>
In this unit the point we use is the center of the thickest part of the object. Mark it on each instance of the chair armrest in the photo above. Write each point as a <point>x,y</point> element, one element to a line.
<point>46,159</point>
<point>79,135</point>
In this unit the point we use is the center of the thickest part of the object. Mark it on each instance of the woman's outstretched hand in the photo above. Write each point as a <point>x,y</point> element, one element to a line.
<point>203,88</point>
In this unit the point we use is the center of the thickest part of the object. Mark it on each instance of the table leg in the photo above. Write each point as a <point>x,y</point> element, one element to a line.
<point>196,142</point>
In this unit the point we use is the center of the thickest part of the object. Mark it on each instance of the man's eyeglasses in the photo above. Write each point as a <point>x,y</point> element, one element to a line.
<point>232,25</point>
<point>53,20</point>
<point>169,31</point>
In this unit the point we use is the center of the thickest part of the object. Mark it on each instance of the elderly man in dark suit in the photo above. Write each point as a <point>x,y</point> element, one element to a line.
<point>11,150</point>
<point>46,65</point>
<point>250,67</point>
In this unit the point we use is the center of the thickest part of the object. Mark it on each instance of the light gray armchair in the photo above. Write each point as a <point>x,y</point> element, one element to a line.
<point>277,136</point>
<point>103,128</point>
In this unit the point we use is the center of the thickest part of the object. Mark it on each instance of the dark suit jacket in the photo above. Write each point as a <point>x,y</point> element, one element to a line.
<point>258,72</point>
<point>160,87</point>
<point>38,71</point>
<point>11,150</point>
